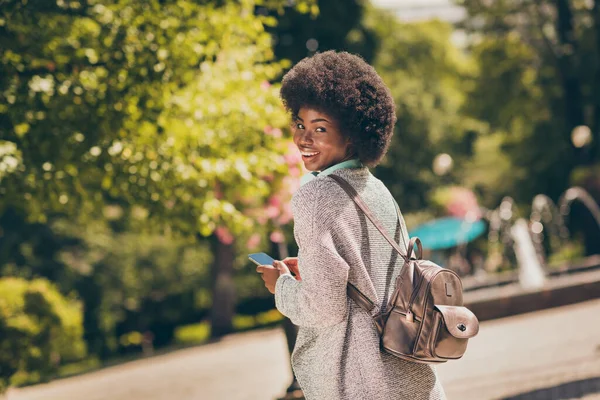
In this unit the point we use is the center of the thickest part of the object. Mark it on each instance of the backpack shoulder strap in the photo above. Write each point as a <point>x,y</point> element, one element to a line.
<point>363,301</point>
<point>361,204</point>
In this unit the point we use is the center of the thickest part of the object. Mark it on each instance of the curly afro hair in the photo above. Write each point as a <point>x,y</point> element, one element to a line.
<point>345,87</point>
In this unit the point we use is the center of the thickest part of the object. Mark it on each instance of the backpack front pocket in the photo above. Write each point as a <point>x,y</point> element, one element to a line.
<point>453,327</point>
<point>400,334</point>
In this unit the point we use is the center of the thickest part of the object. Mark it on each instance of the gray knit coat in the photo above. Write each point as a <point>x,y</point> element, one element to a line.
<point>337,353</point>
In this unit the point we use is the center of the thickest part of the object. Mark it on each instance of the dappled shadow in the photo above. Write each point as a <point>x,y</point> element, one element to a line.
<point>568,390</point>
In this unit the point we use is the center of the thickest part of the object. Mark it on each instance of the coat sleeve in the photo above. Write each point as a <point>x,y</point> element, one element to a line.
<point>319,299</point>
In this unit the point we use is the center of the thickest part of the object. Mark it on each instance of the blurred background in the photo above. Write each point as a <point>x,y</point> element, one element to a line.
<point>144,153</point>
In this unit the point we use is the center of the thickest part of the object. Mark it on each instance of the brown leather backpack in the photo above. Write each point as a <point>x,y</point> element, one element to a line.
<point>425,321</point>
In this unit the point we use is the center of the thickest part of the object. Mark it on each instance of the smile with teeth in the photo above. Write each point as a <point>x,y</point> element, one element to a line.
<point>308,155</point>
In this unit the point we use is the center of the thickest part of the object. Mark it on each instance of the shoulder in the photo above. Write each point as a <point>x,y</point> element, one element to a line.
<point>315,195</point>
<point>324,196</point>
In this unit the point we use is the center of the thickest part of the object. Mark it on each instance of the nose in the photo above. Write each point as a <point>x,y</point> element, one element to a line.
<point>304,137</point>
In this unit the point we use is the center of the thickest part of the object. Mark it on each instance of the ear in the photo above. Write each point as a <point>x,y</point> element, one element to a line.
<point>349,146</point>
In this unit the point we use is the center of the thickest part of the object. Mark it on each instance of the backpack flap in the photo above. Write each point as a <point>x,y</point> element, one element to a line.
<point>460,321</point>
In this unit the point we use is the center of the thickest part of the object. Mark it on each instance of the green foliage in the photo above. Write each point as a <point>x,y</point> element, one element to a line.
<point>158,116</point>
<point>126,281</point>
<point>538,63</point>
<point>192,334</point>
<point>326,25</point>
<point>39,328</point>
<point>200,332</point>
<point>159,107</point>
<point>76,368</point>
<point>571,251</point>
<point>136,282</point>
<point>490,170</point>
<point>426,74</point>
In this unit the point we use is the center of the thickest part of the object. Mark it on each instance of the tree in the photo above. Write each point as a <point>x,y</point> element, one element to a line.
<point>326,25</point>
<point>426,74</point>
<point>539,64</point>
<point>160,108</point>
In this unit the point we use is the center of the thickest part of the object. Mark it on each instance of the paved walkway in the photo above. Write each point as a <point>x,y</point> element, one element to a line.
<point>550,354</point>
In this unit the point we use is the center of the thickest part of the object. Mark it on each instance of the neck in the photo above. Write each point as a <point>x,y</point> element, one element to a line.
<point>348,158</point>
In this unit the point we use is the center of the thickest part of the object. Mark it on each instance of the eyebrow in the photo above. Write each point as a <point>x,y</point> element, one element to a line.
<point>313,121</point>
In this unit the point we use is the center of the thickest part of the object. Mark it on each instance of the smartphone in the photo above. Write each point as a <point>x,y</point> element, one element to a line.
<point>261,259</point>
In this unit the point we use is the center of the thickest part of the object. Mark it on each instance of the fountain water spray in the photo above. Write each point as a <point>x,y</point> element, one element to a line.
<point>547,220</point>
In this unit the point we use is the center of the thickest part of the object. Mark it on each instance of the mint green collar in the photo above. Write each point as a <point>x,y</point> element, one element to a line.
<point>345,164</point>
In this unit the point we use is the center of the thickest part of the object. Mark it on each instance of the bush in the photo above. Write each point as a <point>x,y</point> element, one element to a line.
<point>39,328</point>
<point>193,333</point>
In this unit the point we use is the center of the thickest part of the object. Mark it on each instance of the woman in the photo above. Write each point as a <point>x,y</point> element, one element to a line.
<point>343,122</point>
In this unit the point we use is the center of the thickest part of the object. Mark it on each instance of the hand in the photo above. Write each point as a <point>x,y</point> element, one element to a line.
<point>270,274</point>
<point>292,264</point>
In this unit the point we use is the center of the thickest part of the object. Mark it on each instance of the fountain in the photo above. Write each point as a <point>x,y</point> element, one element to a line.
<point>531,273</point>
<point>530,244</point>
<point>531,241</point>
<point>577,193</point>
<point>545,212</point>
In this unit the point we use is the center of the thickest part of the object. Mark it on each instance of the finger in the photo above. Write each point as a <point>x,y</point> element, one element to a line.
<point>290,261</point>
<point>280,265</point>
<point>264,268</point>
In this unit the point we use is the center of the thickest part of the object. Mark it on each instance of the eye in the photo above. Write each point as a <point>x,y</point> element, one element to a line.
<point>299,125</point>
<point>320,129</point>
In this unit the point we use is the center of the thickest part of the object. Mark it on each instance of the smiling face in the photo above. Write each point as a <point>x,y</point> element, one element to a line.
<point>319,139</point>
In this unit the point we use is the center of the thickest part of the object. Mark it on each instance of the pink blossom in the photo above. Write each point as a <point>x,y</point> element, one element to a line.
<point>294,171</point>
<point>272,211</point>
<point>224,235</point>
<point>462,201</point>
<point>253,241</point>
<point>291,185</point>
<point>268,129</point>
<point>276,133</point>
<point>277,237</point>
<point>265,85</point>
<point>275,201</point>
<point>286,214</point>
<point>293,156</point>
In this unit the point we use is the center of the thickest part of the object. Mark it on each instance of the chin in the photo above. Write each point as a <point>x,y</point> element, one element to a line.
<point>311,168</point>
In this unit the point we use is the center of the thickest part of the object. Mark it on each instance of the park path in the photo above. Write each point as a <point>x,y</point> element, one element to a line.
<point>548,354</point>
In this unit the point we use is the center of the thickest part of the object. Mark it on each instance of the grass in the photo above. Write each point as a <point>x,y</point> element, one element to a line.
<point>200,332</point>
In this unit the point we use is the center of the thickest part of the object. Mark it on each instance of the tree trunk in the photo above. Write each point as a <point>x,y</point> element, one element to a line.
<point>223,289</point>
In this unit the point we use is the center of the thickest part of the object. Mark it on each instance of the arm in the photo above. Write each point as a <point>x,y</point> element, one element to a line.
<point>319,299</point>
